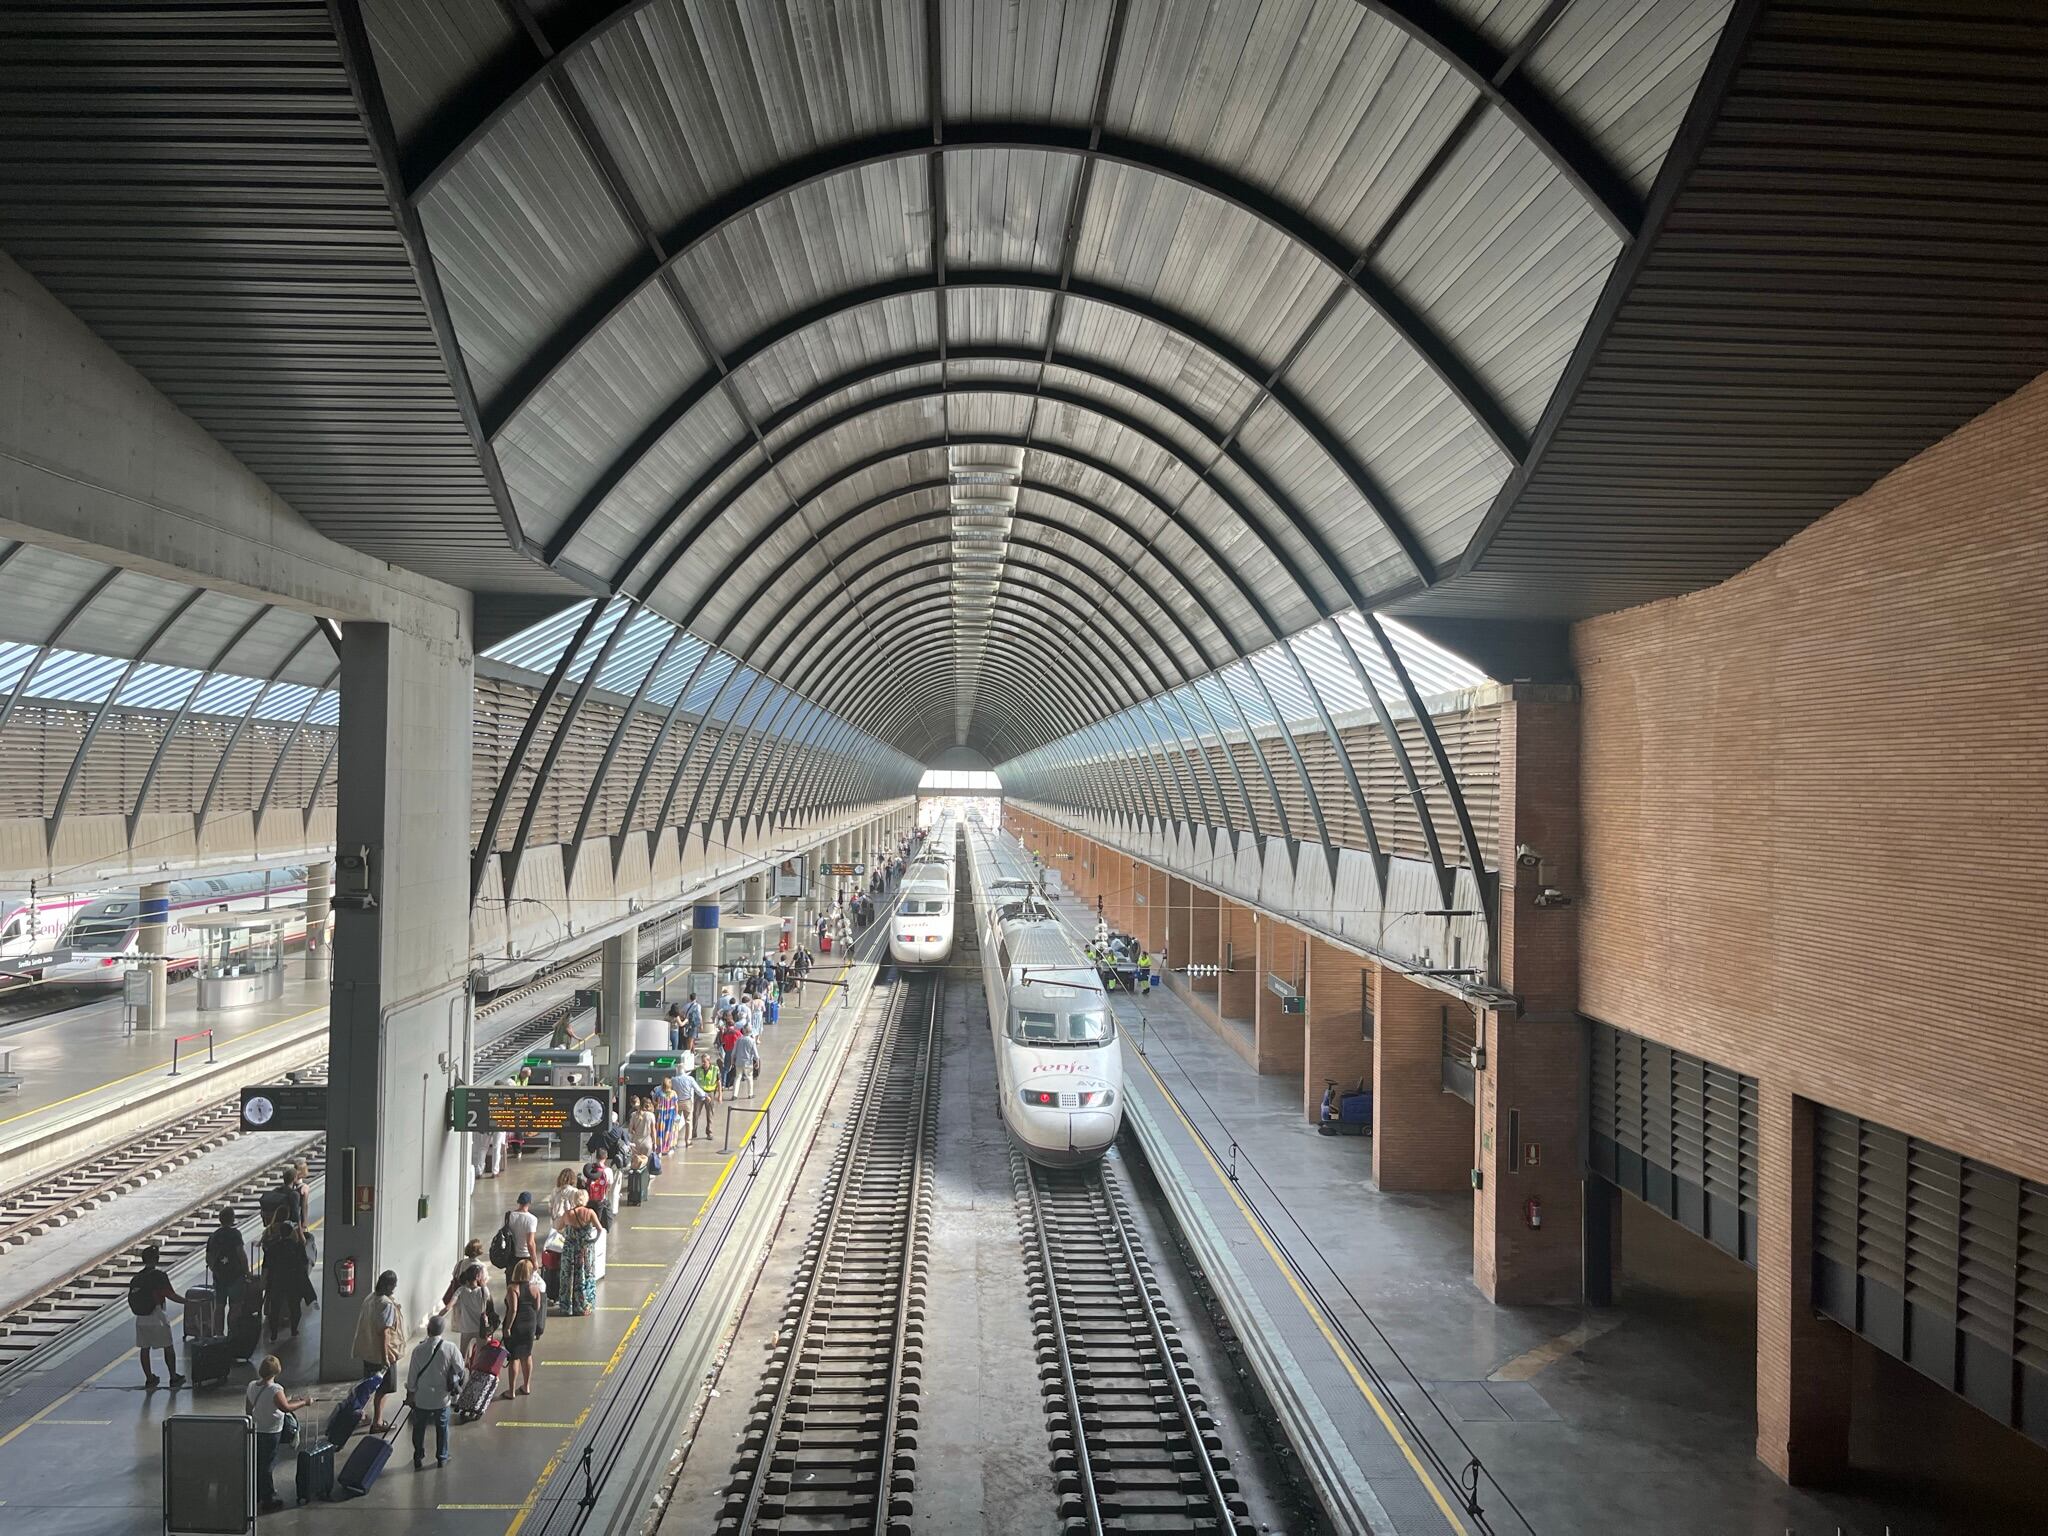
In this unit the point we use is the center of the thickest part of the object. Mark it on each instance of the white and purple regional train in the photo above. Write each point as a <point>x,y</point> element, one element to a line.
<point>82,939</point>
<point>1059,1065</point>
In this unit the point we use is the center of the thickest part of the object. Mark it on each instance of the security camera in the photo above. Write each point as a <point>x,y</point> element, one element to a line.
<point>1551,896</point>
<point>1528,857</point>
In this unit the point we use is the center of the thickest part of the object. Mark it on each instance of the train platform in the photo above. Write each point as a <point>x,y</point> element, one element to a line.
<point>87,1078</point>
<point>81,1439</point>
<point>1388,1367</point>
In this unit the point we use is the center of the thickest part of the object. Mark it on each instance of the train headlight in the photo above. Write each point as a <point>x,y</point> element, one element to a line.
<point>1101,1098</point>
<point>1039,1098</point>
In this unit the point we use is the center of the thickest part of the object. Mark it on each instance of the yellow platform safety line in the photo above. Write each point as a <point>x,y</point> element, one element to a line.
<point>87,1093</point>
<point>476,1506</point>
<point>1316,1313</point>
<point>624,1339</point>
<point>45,1414</point>
<point>547,1472</point>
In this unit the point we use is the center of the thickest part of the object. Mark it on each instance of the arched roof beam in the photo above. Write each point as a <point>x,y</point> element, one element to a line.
<point>1026,553</point>
<point>1187,327</point>
<point>1143,542</point>
<point>1351,269</point>
<point>1188,530</point>
<point>1168,575</point>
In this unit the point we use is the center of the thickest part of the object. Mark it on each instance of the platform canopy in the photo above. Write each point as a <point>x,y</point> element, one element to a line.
<point>981,369</point>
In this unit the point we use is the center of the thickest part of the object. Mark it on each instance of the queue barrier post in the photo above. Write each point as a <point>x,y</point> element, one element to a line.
<point>204,1034</point>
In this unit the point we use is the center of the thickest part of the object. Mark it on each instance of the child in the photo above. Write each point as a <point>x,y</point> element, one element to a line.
<point>486,1360</point>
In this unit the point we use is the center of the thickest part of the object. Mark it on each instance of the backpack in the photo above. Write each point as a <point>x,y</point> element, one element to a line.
<point>224,1255</point>
<point>501,1245</point>
<point>144,1292</point>
<point>272,1201</point>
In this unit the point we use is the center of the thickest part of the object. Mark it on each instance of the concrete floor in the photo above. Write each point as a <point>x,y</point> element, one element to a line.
<point>1639,1417</point>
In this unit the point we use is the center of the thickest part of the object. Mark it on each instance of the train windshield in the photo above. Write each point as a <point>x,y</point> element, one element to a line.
<point>915,906</point>
<point>102,929</point>
<point>1043,1027</point>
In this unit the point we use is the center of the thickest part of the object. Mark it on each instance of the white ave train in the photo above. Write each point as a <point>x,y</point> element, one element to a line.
<point>101,931</point>
<point>1059,1064</point>
<point>921,926</point>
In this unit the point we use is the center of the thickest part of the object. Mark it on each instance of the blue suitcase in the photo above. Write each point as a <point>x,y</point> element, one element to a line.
<point>366,1465</point>
<point>774,1010</point>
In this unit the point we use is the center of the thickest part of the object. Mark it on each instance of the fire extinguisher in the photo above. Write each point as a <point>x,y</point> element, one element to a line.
<point>1532,1211</point>
<point>345,1277</point>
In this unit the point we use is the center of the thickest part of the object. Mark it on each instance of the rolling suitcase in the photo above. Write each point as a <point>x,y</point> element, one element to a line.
<point>198,1313</point>
<point>551,1272</point>
<point>348,1413</point>
<point>316,1473</point>
<point>214,1360</point>
<point>365,1463</point>
<point>475,1397</point>
<point>636,1186</point>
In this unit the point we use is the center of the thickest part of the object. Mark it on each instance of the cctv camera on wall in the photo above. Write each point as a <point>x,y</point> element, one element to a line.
<point>1528,857</point>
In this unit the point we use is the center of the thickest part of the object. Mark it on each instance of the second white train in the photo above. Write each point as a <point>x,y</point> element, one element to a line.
<point>1059,1063</point>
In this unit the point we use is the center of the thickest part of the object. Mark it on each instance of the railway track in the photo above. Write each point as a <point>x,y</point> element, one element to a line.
<point>832,1442</point>
<point>1134,1445</point>
<point>46,1317</point>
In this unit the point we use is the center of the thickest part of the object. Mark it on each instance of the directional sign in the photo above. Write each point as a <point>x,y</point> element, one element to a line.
<point>846,869</point>
<point>566,1112</point>
<point>285,1107</point>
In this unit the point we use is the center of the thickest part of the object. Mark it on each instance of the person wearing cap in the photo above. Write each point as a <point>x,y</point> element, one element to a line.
<point>525,1229</point>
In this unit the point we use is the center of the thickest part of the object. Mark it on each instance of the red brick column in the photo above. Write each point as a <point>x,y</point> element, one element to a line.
<point>1528,1092</point>
<point>1422,1136</point>
<point>1802,1359</point>
<point>1205,946</point>
<point>1237,935</point>
<point>1280,1039</point>
<point>1333,1040</point>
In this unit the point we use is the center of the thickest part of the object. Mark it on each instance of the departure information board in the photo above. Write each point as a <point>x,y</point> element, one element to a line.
<point>567,1112</point>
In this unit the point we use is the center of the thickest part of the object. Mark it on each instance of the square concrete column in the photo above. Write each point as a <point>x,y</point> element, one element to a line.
<point>399,1037</point>
<point>1803,1360</point>
<point>1280,1044</point>
<point>1334,1044</point>
<point>1238,988</point>
<point>1529,1090</point>
<point>1422,1135</point>
<point>619,979</point>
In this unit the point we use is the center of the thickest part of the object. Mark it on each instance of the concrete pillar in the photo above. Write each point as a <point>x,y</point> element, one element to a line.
<point>619,981</point>
<point>1803,1360</point>
<point>1279,1043</point>
<point>150,937</point>
<point>1528,1094</point>
<point>319,907</point>
<point>1334,1040</point>
<point>704,950</point>
<point>1422,1136</point>
<point>754,897</point>
<point>398,1040</point>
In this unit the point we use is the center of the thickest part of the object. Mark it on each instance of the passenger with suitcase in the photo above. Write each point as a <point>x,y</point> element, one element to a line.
<point>147,1293</point>
<point>285,1276</point>
<point>266,1403</point>
<point>433,1382</point>
<point>487,1357</point>
<point>379,1336</point>
<point>525,1321</point>
<point>227,1264</point>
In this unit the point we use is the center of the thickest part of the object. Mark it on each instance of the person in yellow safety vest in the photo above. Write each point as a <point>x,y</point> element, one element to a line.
<point>1145,970</point>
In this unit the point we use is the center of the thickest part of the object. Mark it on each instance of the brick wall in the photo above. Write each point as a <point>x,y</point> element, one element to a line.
<point>1281,1044</point>
<point>1238,987</point>
<point>1333,1045</point>
<point>1816,806</point>
<point>1528,1095</point>
<point>1422,1136</point>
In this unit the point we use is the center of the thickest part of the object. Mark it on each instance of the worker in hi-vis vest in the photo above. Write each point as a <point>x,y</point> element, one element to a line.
<point>1145,970</point>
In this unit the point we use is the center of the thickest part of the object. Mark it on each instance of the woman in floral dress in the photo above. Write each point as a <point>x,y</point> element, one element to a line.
<point>579,1257</point>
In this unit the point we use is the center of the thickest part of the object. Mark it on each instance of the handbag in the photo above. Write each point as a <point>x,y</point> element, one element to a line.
<point>289,1434</point>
